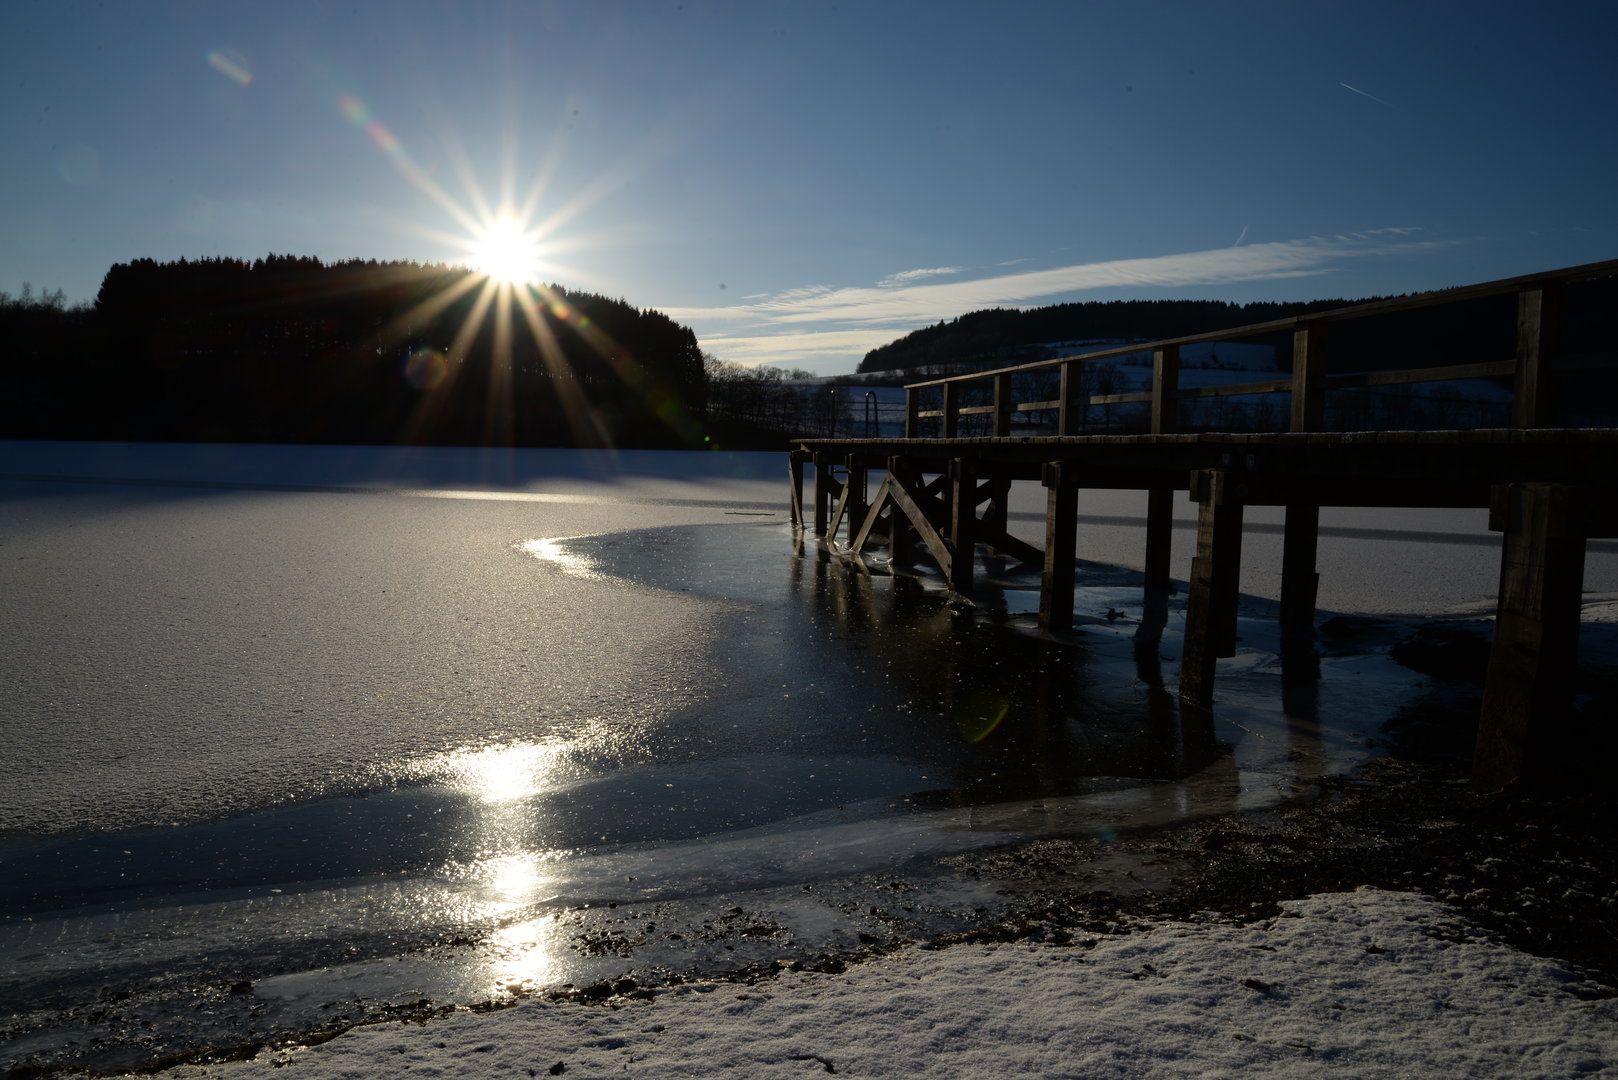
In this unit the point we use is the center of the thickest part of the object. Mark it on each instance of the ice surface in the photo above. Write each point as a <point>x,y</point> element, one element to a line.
<point>381,723</point>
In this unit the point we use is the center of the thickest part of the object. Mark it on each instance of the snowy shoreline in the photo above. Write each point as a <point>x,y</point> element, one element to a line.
<point>1364,984</point>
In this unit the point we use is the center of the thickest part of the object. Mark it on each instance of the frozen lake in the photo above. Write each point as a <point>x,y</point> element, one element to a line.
<point>285,717</point>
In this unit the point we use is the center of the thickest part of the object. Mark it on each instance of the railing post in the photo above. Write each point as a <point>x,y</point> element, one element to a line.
<point>1533,402</point>
<point>912,407</point>
<point>1309,376</point>
<point>1068,418</point>
<point>1165,388</point>
<point>1002,404</point>
<point>952,406</point>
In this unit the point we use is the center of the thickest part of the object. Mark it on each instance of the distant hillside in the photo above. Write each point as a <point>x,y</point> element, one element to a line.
<point>1004,336</point>
<point>1471,331</point>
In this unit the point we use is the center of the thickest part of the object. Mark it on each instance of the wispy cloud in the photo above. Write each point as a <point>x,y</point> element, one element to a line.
<point>803,348</point>
<point>908,277</point>
<point>1362,93</point>
<point>820,321</point>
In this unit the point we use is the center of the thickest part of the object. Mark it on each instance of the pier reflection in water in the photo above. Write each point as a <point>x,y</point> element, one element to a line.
<point>1043,716</point>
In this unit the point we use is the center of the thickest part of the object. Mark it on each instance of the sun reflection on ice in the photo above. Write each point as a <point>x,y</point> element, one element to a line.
<point>550,550</point>
<point>507,883</point>
<point>503,773</point>
<point>501,779</point>
<point>512,878</point>
<point>524,956</point>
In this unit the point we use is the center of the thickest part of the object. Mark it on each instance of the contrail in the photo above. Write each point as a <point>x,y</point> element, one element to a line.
<point>1362,93</point>
<point>1240,238</point>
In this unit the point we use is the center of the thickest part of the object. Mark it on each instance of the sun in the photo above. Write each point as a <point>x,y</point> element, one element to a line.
<point>508,253</point>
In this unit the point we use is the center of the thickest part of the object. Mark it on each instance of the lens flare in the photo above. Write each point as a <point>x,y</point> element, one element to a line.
<point>426,368</point>
<point>231,65</point>
<point>980,713</point>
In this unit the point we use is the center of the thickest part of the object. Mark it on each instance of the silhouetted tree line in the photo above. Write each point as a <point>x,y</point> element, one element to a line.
<point>765,407</point>
<point>290,349</point>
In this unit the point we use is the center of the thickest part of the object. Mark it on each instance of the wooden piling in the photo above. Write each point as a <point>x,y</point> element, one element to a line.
<point>1300,582</point>
<point>1536,631</point>
<point>1159,549</point>
<point>901,536</point>
<point>962,523</point>
<point>823,487</point>
<point>795,463</point>
<point>1061,547</point>
<point>1210,611</point>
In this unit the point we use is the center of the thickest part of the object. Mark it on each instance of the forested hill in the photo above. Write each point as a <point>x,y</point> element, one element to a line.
<point>291,349</point>
<point>1004,336</point>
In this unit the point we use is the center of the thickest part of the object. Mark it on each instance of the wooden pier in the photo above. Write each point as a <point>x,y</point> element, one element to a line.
<point>944,491</point>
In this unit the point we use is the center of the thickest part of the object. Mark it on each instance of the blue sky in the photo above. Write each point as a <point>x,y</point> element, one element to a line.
<point>802,182</point>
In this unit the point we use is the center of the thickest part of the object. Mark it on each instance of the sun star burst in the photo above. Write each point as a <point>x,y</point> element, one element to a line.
<point>506,251</point>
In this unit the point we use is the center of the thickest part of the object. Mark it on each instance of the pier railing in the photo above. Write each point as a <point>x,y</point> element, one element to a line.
<point>1531,369</point>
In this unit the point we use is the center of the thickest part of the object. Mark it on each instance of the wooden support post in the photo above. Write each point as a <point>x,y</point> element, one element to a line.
<point>844,498</point>
<point>905,491</point>
<point>952,409</point>
<point>1165,389</point>
<point>853,498</point>
<point>1159,550</point>
<point>912,407</point>
<point>1536,631</point>
<point>1299,581</point>
<point>795,462</point>
<point>858,537</point>
<point>1210,611</point>
<point>1309,377</point>
<point>962,522</point>
<point>997,514</point>
<point>1061,546</point>
<point>901,537</point>
<point>1533,402</point>
<point>825,491</point>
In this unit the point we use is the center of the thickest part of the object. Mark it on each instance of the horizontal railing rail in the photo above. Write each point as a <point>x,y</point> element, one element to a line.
<point>1539,304</point>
